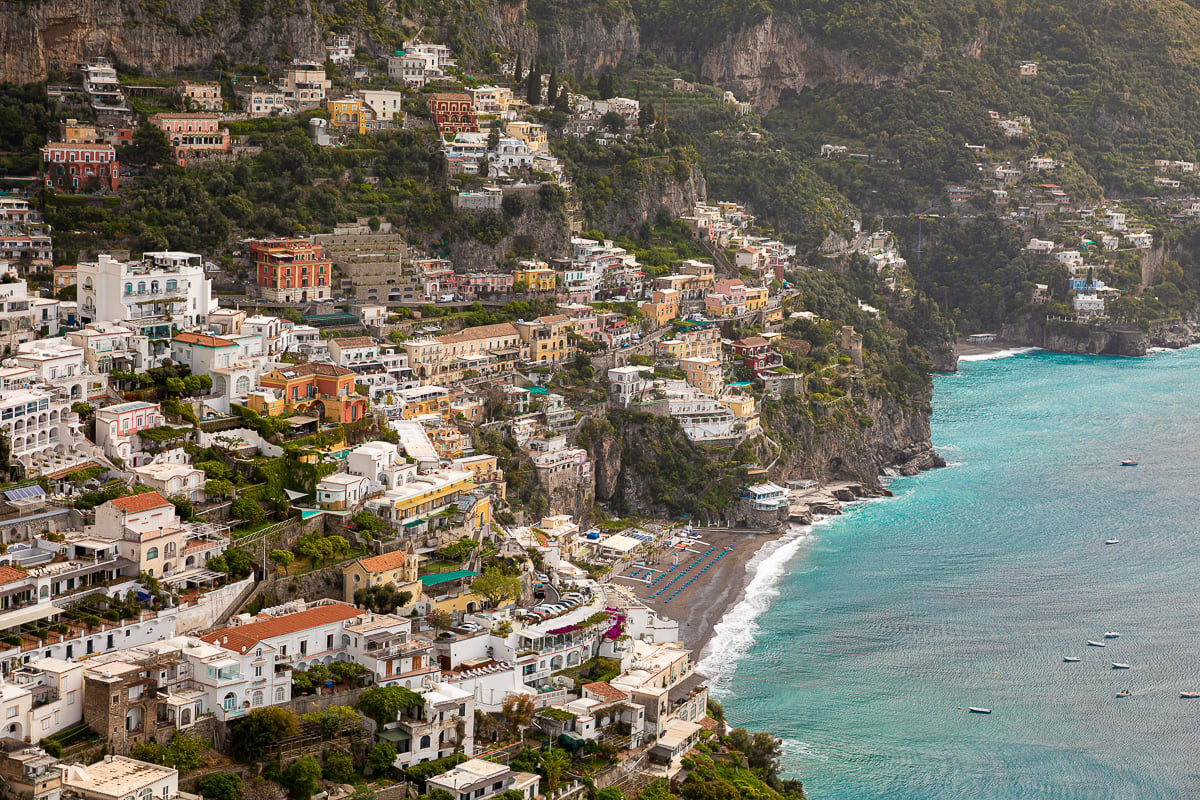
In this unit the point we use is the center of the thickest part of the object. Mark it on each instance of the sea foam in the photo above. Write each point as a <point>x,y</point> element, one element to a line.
<point>734,634</point>
<point>1008,353</point>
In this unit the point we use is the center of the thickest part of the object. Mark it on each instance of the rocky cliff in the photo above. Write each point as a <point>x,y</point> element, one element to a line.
<point>763,60</point>
<point>588,42</point>
<point>41,37</point>
<point>1064,336</point>
<point>883,434</point>
<point>619,201</point>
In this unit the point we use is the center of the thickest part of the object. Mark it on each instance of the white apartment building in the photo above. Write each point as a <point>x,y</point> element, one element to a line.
<point>478,779</point>
<point>17,323</point>
<point>37,420</point>
<point>47,694</point>
<point>387,105</point>
<point>62,365</point>
<point>170,478</point>
<point>121,778</point>
<point>108,346</point>
<point>442,726</point>
<point>165,284</point>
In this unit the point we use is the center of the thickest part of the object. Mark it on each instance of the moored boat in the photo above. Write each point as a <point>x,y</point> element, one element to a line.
<point>1118,665</point>
<point>1189,695</point>
<point>1124,693</point>
<point>1129,462</point>
<point>1111,635</point>
<point>976,710</point>
<point>1070,659</point>
<point>1112,541</point>
<point>1094,643</point>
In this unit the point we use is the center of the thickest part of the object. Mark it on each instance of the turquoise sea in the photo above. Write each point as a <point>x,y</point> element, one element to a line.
<point>864,639</point>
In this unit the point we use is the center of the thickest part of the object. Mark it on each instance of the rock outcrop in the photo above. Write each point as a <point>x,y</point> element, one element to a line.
<point>588,43</point>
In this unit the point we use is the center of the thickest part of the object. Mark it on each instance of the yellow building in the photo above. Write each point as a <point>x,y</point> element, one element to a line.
<point>663,307</point>
<point>346,113</point>
<point>548,338</point>
<point>531,133</point>
<point>536,275</point>
<point>756,298</point>
<point>704,374</point>
<point>399,569</point>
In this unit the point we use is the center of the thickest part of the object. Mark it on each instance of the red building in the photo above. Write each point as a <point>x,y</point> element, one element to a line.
<point>452,113</point>
<point>291,270</point>
<point>756,354</point>
<point>72,167</point>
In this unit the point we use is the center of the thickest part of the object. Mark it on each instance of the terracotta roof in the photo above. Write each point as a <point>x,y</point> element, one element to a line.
<point>185,115</point>
<point>383,563</point>
<point>242,637</point>
<point>133,503</point>
<point>753,341</point>
<point>9,574</point>
<point>203,339</point>
<point>479,332</point>
<point>552,318</point>
<point>310,368</point>
<point>354,341</point>
<point>603,690</point>
<point>79,146</point>
<point>452,96</point>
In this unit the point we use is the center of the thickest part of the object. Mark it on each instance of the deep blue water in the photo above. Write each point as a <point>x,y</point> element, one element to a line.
<point>969,587</point>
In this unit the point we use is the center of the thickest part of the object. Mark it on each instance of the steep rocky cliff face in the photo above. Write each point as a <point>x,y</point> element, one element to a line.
<point>1061,336</point>
<point>588,43</point>
<point>847,448</point>
<point>38,37</point>
<point>535,230</point>
<point>761,61</point>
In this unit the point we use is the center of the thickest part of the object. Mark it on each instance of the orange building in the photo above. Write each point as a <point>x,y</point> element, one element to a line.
<point>291,270</point>
<point>318,387</point>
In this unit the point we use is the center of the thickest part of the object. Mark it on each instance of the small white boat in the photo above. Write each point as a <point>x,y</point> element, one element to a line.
<point>1112,541</point>
<point>1129,462</point>
<point>1111,635</point>
<point>1189,695</point>
<point>1070,659</point>
<point>1117,665</point>
<point>1124,693</point>
<point>1094,643</point>
<point>975,710</point>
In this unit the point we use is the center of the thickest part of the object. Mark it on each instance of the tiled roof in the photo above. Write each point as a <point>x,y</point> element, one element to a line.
<point>131,504</point>
<point>479,332</point>
<point>310,368</point>
<point>603,690</point>
<point>354,341</point>
<point>242,637</point>
<point>753,341</point>
<point>203,339</point>
<point>383,563</point>
<point>9,574</point>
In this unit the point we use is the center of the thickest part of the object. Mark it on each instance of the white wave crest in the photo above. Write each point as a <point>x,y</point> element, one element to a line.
<point>734,634</point>
<point>1006,353</point>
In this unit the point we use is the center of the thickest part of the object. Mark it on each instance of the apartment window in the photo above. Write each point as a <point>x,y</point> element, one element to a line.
<point>13,711</point>
<point>229,701</point>
<point>329,642</point>
<point>258,672</point>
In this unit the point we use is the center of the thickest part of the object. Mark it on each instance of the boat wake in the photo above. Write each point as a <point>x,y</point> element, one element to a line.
<point>1007,353</point>
<point>734,635</point>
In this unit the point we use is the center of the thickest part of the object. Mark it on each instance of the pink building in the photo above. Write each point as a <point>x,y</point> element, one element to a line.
<point>193,134</point>
<point>117,428</point>
<point>70,167</point>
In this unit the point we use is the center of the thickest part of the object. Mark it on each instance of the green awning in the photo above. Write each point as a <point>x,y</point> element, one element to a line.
<point>414,523</point>
<point>446,577</point>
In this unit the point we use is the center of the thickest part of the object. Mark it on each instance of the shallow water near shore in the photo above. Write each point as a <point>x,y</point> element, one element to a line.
<point>971,585</point>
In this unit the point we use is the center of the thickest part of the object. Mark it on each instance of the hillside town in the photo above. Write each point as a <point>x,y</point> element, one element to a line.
<point>339,520</point>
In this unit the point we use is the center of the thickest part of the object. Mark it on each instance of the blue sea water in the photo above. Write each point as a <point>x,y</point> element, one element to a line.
<point>865,639</point>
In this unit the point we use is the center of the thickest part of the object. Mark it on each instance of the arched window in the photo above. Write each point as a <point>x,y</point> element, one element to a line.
<point>141,287</point>
<point>229,702</point>
<point>154,287</point>
<point>258,699</point>
<point>152,554</point>
<point>279,695</point>
<point>243,385</point>
<point>424,742</point>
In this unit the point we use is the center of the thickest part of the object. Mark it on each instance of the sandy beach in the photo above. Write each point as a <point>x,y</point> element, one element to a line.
<point>700,605</point>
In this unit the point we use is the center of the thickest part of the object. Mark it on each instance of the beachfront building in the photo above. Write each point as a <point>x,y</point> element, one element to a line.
<point>661,677</point>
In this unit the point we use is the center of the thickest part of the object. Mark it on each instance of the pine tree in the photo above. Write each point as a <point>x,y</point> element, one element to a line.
<point>552,87</point>
<point>517,72</point>
<point>533,92</point>
<point>605,86</point>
